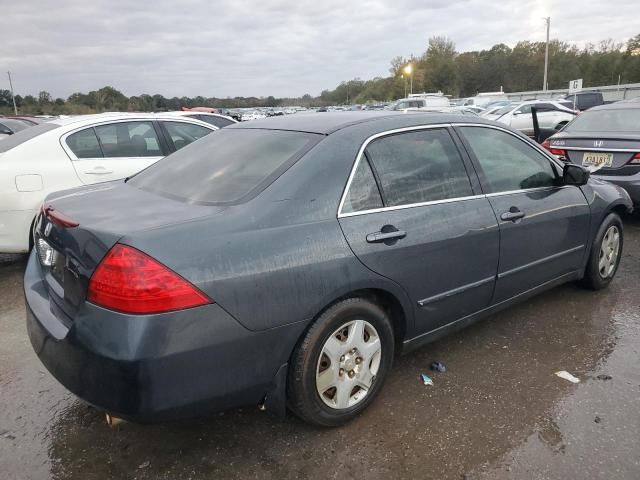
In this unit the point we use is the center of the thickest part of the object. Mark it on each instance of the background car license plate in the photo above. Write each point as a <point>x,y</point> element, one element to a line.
<point>597,159</point>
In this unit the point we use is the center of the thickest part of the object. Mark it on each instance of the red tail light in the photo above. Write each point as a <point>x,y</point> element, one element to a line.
<point>636,158</point>
<point>129,281</point>
<point>559,152</point>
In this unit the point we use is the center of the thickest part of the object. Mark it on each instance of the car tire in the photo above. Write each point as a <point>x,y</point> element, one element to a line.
<point>605,255</point>
<point>335,372</point>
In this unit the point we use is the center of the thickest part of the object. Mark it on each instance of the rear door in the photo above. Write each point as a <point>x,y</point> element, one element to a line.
<point>114,150</point>
<point>544,225</point>
<point>412,214</point>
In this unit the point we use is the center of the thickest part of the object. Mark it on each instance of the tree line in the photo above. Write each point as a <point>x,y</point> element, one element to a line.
<point>439,68</point>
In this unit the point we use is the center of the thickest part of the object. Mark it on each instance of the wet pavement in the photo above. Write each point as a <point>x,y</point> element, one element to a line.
<point>498,412</point>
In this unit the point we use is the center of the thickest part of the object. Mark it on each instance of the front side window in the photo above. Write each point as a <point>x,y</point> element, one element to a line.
<point>182,133</point>
<point>84,144</point>
<point>420,166</point>
<point>363,192</point>
<point>524,109</point>
<point>507,162</point>
<point>128,139</point>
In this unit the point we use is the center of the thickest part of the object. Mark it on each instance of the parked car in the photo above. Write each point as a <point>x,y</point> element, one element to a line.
<point>420,103</point>
<point>606,139</point>
<point>268,265</point>
<point>483,100</point>
<point>585,100</point>
<point>215,119</point>
<point>10,126</point>
<point>82,150</point>
<point>552,115</point>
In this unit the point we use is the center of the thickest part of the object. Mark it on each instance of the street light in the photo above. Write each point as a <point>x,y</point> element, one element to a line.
<point>408,70</point>
<point>404,80</point>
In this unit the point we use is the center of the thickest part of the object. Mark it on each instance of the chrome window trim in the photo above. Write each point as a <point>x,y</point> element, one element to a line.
<point>363,147</point>
<point>410,205</point>
<point>446,200</point>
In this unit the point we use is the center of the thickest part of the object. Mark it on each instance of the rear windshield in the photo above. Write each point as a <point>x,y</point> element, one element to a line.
<point>23,135</point>
<point>609,120</point>
<point>226,166</point>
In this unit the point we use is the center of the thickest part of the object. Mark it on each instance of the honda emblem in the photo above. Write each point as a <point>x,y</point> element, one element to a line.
<point>598,143</point>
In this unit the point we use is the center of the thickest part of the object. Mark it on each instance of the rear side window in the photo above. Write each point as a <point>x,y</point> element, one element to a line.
<point>216,121</point>
<point>225,167</point>
<point>363,192</point>
<point>507,162</point>
<point>417,167</point>
<point>84,144</point>
<point>183,133</point>
<point>128,139</point>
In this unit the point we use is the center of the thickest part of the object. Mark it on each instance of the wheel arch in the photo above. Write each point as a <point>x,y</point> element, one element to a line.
<point>393,300</point>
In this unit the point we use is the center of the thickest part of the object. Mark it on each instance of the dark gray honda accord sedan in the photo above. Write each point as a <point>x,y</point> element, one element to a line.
<point>285,262</point>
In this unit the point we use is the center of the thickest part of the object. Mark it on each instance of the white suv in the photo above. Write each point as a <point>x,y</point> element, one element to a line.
<point>76,151</point>
<point>551,114</point>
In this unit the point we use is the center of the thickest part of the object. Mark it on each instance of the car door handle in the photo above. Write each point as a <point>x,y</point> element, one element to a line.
<point>512,215</point>
<point>383,236</point>
<point>98,171</point>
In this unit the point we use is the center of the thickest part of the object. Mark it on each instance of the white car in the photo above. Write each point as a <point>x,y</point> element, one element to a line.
<point>214,119</point>
<point>72,152</point>
<point>416,102</point>
<point>551,115</point>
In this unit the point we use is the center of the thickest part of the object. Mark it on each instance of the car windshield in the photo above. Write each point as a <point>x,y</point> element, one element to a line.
<point>608,120</point>
<point>226,166</point>
<point>24,135</point>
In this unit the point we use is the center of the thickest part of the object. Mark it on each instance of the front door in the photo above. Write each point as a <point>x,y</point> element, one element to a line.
<point>411,215</point>
<point>544,225</point>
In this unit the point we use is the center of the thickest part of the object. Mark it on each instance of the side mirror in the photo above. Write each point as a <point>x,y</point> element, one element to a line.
<point>573,174</point>
<point>5,131</point>
<point>517,112</point>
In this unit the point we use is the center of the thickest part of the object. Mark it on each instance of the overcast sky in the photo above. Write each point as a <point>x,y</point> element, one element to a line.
<point>266,47</point>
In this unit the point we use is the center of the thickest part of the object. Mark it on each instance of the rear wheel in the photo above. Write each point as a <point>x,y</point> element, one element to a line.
<point>605,253</point>
<point>340,364</point>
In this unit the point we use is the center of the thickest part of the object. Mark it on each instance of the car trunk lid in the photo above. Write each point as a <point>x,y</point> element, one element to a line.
<point>619,151</point>
<point>75,229</point>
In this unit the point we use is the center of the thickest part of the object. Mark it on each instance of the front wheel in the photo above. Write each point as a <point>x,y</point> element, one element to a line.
<point>340,364</point>
<point>605,253</point>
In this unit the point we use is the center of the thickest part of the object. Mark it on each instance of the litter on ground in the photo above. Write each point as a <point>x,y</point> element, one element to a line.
<point>568,376</point>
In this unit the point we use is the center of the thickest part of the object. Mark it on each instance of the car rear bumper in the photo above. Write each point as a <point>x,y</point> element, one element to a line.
<point>630,183</point>
<point>158,367</point>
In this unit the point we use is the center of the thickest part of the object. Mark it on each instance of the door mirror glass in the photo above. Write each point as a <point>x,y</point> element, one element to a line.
<point>575,175</point>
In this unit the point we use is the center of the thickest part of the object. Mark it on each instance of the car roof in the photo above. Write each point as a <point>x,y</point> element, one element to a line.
<point>617,106</point>
<point>80,120</point>
<point>329,122</point>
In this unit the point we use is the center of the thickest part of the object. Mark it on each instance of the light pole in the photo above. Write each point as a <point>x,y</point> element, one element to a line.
<point>408,70</point>
<point>546,55</point>
<point>405,85</point>
<point>15,109</point>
